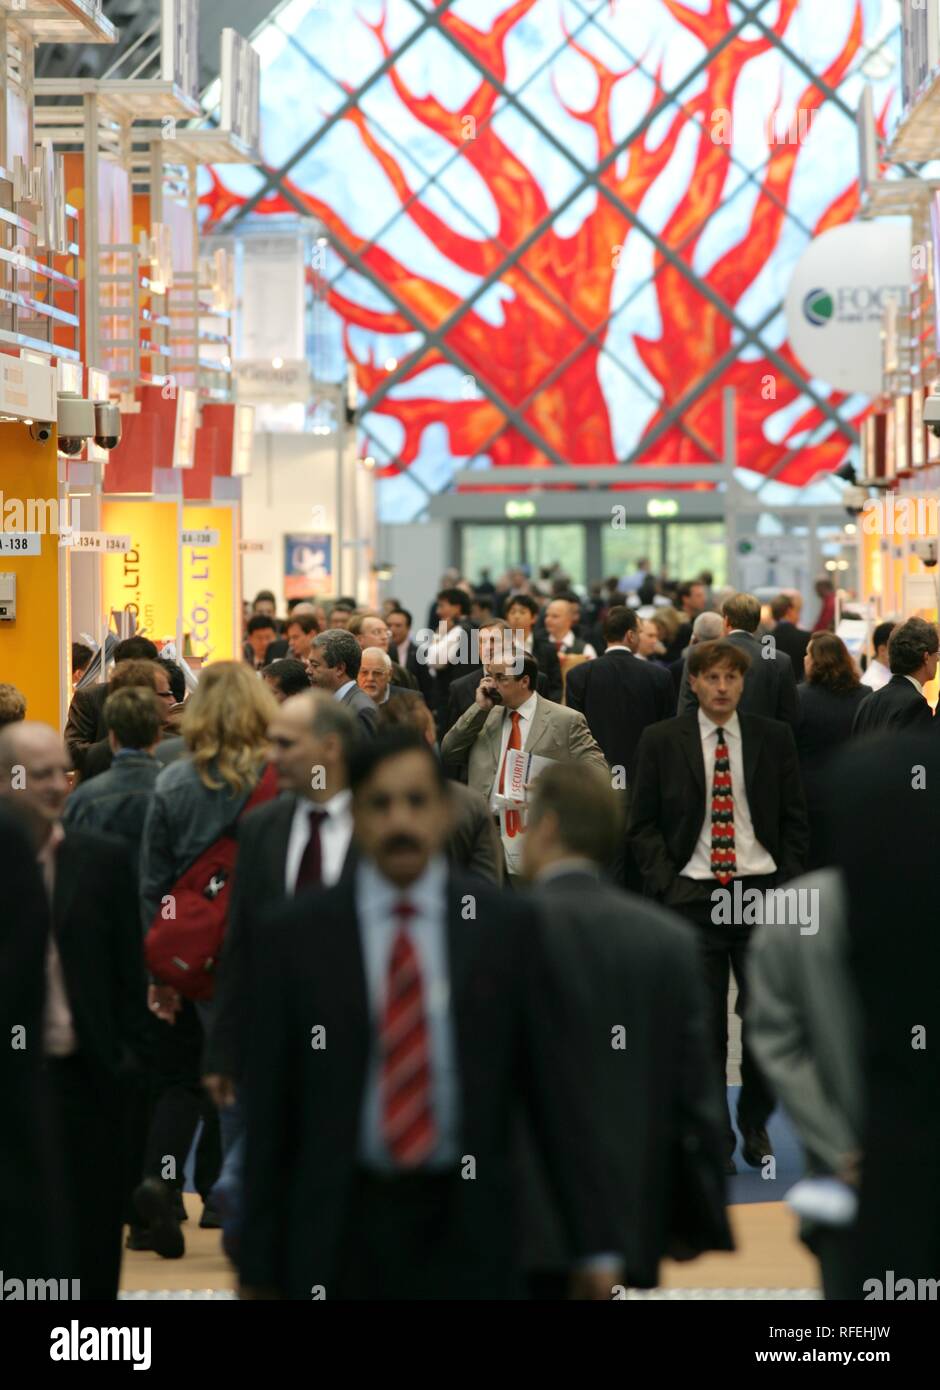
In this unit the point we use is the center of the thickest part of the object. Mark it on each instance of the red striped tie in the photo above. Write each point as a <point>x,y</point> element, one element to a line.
<point>724,859</point>
<point>407,1115</point>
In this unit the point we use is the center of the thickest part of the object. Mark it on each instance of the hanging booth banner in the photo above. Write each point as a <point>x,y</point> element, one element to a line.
<point>210,603</point>
<point>838,298</point>
<point>144,579</point>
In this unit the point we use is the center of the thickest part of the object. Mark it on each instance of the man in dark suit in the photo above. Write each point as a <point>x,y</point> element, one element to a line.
<point>28,1228</point>
<point>450,653</point>
<point>912,655</point>
<point>770,685</point>
<point>391,1049</point>
<point>718,810</point>
<point>787,634</point>
<point>94,1022</point>
<point>618,695</point>
<point>405,651</point>
<point>300,840</point>
<point>632,970</point>
<point>521,614</point>
<point>85,724</point>
<point>335,658</point>
<point>880,818</point>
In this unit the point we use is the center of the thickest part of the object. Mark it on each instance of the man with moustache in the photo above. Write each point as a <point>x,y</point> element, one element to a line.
<point>399,1022</point>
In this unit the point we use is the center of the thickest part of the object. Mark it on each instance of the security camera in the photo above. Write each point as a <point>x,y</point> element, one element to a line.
<point>926,552</point>
<point>107,425</point>
<point>41,431</point>
<point>854,499</point>
<point>76,422</point>
<point>932,414</point>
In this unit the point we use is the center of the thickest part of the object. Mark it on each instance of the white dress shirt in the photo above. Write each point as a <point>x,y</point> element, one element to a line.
<point>527,714</point>
<point>750,855</point>
<point>916,684</point>
<point>378,926</point>
<point>339,694</point>
<point>442,649</point>
<point>876,674</point>
<point>335,835</point>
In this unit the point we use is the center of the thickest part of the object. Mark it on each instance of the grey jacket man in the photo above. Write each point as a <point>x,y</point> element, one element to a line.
<point>557,732</point>
<point>805,1021</point>
<point>365,710</point>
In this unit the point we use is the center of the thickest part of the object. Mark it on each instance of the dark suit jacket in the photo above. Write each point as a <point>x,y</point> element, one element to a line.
<point>419,669</point>
<point>473,845</point>
<point>365,711</point>
<point>85,724</point>
<point>97,927</point>
<point>896,705</point>
<point>619,697</point>
<point>549,667</point>
<point>769,685</point>
<point>628,964</point>
<point>825,724</point>
<point>27,1154</point>
<point>668,804</point>
<point>258,891</point>
<point>878,820</point>
<point>514,1045</point>
<point>793,640</point>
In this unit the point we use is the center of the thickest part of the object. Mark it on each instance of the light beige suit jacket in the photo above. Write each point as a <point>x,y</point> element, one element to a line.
<point>557,732</point>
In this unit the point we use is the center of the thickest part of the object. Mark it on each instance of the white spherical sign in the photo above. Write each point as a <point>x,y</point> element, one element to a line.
<point>837,298</point>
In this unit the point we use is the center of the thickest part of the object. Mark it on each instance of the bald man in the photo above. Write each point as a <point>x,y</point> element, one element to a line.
<point>375,676</point>
<point>94,1018</point>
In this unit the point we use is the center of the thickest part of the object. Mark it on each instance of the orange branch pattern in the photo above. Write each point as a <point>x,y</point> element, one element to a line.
<point>540,359</point>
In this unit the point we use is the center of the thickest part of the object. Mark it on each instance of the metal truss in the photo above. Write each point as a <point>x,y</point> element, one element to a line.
<point>435,337</point>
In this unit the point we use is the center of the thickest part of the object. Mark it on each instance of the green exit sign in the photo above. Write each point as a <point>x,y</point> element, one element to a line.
<point>520,511</point>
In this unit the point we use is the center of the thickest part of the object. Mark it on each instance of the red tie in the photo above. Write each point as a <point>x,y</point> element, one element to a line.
<point>310,873</point>
<point>407,1113</point>
<point>724,861</point>
<point>515,741</point>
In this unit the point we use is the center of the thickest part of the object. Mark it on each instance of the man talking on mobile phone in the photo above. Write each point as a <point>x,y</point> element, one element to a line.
<point>508,713</point>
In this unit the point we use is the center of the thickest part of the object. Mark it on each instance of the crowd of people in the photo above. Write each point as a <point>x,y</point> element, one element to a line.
<point>407,943</point>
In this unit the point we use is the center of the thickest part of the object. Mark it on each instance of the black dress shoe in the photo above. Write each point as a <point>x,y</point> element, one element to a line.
<point>155,1204</point>
<point>138,1238</point>
<point>211,1219</point>
<point>755,1147</point>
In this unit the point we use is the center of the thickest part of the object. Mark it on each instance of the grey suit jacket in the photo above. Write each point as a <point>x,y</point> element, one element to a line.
<point>365,710</point>
<point>805,1022</point>
<point>473,845</point>
<point>557,732</point>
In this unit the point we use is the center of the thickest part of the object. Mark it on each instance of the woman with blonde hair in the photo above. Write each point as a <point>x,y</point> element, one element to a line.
<point>196,802</point>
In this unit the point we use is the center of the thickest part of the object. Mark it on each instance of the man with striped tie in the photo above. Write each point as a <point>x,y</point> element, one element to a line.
<point>717,811</point>
<point>397,1029</point>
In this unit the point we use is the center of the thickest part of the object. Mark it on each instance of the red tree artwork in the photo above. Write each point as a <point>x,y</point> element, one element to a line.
<point>543,360</point>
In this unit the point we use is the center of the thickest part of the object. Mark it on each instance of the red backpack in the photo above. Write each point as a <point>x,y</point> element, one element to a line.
<point>184,950</point>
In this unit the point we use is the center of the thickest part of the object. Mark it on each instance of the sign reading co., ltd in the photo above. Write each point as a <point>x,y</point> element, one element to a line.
<point>208,582</point>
